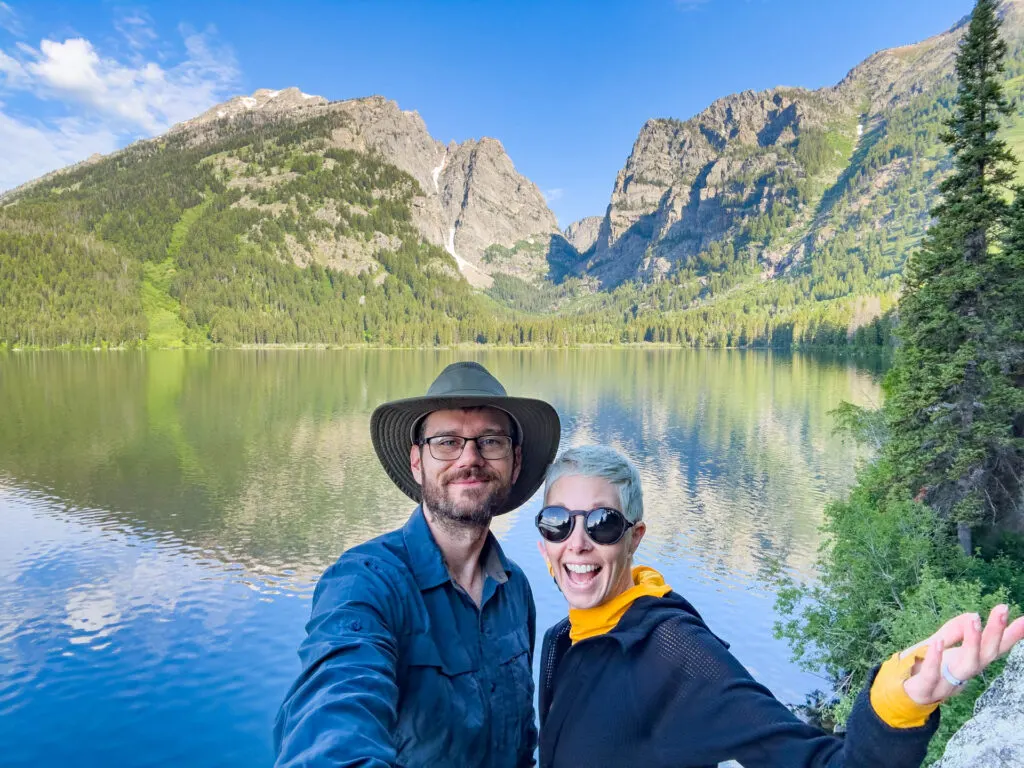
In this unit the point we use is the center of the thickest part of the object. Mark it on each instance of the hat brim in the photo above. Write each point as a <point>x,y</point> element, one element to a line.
<point>392,423</point>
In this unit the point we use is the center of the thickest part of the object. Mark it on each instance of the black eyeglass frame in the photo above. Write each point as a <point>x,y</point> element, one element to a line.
<point>585,514</point>
<point>428,441</point>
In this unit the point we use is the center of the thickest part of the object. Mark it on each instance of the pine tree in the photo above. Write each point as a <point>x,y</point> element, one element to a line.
<point>954,396</point>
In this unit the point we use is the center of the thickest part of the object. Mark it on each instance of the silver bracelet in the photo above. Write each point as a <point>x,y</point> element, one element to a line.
<point>950,678</point>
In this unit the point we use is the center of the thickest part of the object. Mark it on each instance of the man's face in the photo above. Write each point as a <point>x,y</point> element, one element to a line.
<point>469,489</point>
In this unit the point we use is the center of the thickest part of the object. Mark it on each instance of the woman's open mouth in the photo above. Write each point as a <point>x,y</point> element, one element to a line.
<point>581,574</point>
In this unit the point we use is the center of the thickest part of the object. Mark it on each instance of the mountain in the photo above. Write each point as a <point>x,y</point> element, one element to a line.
<point>273,218</point>
<point>472,197</point>
<point>771,218</point>
<point>795,179</point>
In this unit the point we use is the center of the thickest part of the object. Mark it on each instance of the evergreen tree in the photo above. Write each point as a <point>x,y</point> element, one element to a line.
<point>954,395</point>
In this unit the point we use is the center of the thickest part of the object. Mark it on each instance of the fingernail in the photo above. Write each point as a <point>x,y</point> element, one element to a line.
<point>977,622</point>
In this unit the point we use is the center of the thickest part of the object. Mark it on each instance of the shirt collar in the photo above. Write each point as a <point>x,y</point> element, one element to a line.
<point>426,561</point>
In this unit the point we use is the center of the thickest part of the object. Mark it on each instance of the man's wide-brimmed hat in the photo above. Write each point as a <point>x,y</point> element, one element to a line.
<point>467,385</point>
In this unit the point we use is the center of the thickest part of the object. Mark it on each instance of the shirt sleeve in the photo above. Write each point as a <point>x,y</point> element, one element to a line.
<point>701,688</point>
<point>890,700</point>
<point>342,708</point>
<point>529,740</point>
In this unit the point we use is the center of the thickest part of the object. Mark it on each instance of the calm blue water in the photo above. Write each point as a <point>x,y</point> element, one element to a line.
<point>163,519</point>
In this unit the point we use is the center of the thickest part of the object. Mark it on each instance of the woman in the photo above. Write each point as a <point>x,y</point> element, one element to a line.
<point>633,677</point>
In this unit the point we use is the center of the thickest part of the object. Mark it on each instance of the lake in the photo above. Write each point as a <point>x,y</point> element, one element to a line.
<point>164,517</point>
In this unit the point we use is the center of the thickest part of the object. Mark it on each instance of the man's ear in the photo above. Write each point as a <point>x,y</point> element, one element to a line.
<point>517,462</point>
<point>416,463</point>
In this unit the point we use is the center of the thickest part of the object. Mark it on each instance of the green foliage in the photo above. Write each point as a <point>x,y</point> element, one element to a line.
<point>935,601</point>
<point>865,425</point>
<point>950,433</point>
<point>957,403</point>
<point>889,579</point>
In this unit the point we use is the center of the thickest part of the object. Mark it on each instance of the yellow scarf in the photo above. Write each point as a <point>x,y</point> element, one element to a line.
<point>591,622</point>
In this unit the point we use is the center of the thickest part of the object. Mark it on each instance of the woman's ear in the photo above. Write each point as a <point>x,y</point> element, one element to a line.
<point>544,554</point>
<point>638,534</point>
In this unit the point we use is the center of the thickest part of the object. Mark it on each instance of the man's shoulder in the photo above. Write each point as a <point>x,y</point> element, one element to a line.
<point>380,563</point>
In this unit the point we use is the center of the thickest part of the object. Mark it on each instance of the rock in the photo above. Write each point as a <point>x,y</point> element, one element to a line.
<point>583,234</point>
<point>994,737</point>
<point>688,184</point>
<point>488,203</point>
<point>266,101</point>
<point>472,196</point>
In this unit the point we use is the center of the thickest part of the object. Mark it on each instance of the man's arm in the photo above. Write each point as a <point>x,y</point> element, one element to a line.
<point>529,739</point>
<point>341,710</point>
<point>708,692</point>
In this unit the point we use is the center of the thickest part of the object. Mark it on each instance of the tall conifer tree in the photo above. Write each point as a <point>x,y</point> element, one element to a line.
<point>955,394</point>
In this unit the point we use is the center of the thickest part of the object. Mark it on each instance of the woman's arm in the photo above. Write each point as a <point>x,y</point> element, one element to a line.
<point>892,720</point>
<point>710,710</point>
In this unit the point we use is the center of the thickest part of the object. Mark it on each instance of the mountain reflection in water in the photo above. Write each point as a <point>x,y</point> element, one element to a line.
<point>165,516</point>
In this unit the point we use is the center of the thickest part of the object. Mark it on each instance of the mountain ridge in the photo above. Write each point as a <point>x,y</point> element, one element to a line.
<point>770,217</point>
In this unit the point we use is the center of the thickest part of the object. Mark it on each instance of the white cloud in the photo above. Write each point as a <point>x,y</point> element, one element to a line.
<point>12,74</point>
<point>28,150</point>
<point>9,20</point>
<point>145,96</point>
<point>106,102</point>
<point>553,195</point>
<point>137,30</point>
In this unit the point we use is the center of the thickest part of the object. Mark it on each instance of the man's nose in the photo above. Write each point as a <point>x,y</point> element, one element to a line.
<point>471,455</point>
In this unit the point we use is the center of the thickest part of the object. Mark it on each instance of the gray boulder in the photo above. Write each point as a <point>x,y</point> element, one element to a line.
<point>994,737</point>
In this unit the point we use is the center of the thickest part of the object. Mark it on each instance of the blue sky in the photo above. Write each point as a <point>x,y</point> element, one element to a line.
<point>565,86</point>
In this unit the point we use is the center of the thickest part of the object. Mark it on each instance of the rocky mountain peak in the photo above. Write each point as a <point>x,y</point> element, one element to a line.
<point>582,234</point>
<point>472,196</point>
<point>264,100</point>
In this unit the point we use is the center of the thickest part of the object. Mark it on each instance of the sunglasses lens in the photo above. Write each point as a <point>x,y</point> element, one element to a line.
<point>605,526</point>
<point>554,523</point>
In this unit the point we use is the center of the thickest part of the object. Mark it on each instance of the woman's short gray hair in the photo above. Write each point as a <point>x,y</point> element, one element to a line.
<point>606,463</point>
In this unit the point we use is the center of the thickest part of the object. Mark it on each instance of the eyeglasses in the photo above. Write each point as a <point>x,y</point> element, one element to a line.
<point>450,447</point>
<point>603,525</point>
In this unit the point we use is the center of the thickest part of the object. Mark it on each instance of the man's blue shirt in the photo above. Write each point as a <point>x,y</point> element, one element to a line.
<point>401,668</point>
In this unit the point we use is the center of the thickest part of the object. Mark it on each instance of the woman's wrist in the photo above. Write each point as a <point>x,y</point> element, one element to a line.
<point>890,700</point>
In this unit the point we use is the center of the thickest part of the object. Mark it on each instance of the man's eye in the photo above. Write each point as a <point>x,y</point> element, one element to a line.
<point>489,442</point>
<point>447,442</point>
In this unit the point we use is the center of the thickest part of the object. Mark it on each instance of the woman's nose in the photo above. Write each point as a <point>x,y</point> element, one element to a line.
<point>578,539</point>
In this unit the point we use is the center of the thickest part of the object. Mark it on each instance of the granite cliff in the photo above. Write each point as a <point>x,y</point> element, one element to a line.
<point>788,174</point>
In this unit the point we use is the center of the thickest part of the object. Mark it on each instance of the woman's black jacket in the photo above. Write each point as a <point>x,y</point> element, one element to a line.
<point>661,690</point>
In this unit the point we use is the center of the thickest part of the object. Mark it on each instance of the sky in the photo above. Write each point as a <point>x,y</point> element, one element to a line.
<point>565,86</point>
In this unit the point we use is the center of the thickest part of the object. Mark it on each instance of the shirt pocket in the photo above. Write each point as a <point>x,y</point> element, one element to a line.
<point>440,705</point>
<point>514,685</point>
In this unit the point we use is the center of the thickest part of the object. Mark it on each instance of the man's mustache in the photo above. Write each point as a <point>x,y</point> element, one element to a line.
<point>470,474</point>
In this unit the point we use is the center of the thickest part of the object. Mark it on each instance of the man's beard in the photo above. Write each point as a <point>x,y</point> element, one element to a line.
<point>476,514</point>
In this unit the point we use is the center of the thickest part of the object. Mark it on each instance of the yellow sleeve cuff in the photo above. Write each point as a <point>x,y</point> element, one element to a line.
<point>889,699</point>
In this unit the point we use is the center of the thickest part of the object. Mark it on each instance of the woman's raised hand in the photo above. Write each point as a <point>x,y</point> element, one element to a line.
<point>959,651</point>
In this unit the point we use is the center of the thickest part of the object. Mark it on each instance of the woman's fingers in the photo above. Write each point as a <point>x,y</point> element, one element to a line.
<point>1012,635</point>
<point>966,649</point>
<point>992,637</point>
<point>926,685</point>
<point>968,662</point>
<point>956,629</point>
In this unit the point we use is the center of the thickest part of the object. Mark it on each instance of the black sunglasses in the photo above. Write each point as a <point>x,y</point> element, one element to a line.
<point>603,525</point>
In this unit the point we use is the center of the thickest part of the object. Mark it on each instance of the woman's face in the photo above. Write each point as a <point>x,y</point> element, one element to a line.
<point>589,574</point>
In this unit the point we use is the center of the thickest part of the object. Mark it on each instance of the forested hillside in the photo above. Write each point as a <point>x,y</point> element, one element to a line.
<point>781,218</point>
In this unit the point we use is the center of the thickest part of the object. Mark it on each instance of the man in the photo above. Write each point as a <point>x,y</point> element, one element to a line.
<point>419,649</point>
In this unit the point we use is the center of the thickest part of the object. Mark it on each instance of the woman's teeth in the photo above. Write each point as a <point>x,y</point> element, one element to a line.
<point>577,568</point>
